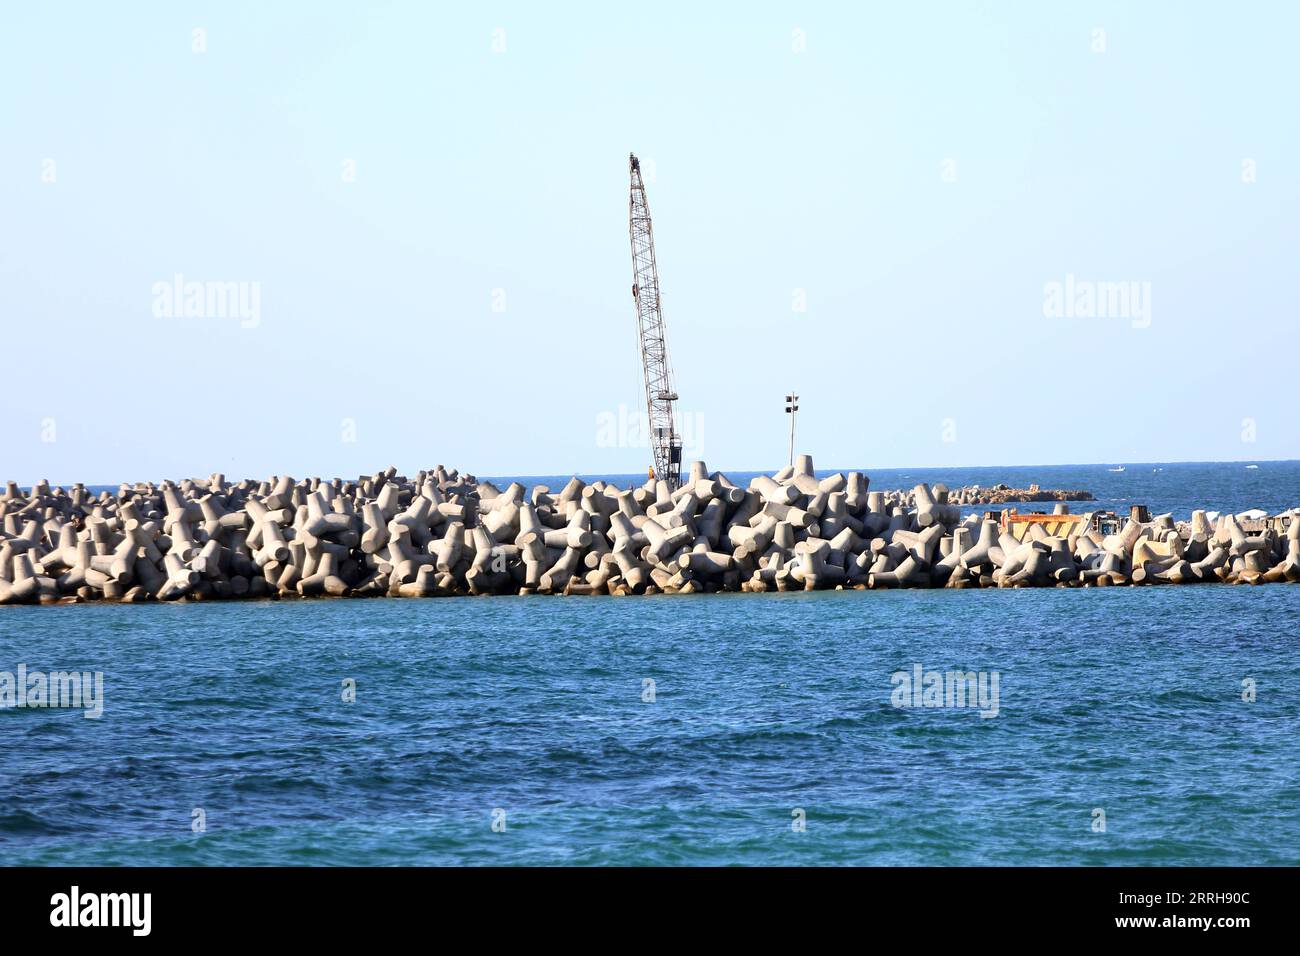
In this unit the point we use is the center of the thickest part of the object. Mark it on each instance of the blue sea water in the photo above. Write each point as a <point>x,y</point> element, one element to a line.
<point>533,712</point>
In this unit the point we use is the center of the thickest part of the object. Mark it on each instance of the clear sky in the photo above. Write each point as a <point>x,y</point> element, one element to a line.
<point>427,207</point>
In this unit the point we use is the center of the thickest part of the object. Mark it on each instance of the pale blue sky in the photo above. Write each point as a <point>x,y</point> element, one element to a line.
<point>774,170</point>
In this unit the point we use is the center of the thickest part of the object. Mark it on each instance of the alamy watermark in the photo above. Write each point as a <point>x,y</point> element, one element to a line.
<point>193,299</point>
<point>82,690</point>
<point>75,908</point>
<point>1084,299</point>
<point>627,429</point>
<point>952,689</point>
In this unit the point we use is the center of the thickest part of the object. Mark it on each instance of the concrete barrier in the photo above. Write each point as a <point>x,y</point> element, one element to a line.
<point>443,532</point>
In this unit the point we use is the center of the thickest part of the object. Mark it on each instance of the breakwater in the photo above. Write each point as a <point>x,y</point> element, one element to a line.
<point>443,533</point>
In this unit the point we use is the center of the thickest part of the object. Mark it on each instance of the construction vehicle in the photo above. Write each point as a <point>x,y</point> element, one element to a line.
<point>1107,522</point>
<point>665,442</point>
<point>1101,522</point>
<point>1017,525</point>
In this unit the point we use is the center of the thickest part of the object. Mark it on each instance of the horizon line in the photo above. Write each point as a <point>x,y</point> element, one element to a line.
<point>826,471</point>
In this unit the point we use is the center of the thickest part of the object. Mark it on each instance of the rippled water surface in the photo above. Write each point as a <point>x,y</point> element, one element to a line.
<point>1128,700</point>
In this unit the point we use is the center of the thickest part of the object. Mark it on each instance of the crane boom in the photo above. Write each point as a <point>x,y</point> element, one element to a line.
<point>660,398</point>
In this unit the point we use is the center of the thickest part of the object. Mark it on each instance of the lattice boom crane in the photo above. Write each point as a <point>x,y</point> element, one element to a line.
<point>659,395</point>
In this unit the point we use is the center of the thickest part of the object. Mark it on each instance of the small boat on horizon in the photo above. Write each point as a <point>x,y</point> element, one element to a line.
<point>1116,468</point>
<point>1252,466</point>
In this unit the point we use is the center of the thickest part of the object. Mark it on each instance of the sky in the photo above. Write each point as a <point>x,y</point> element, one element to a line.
<point>964,233</point>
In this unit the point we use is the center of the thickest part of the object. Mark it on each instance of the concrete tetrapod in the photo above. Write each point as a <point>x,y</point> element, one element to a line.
<point>441,532</point>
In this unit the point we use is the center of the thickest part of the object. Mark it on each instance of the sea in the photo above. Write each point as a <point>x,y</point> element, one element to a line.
<point>1112,726</point>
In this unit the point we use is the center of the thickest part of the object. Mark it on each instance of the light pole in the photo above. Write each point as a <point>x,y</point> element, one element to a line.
<point>791,408</point>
